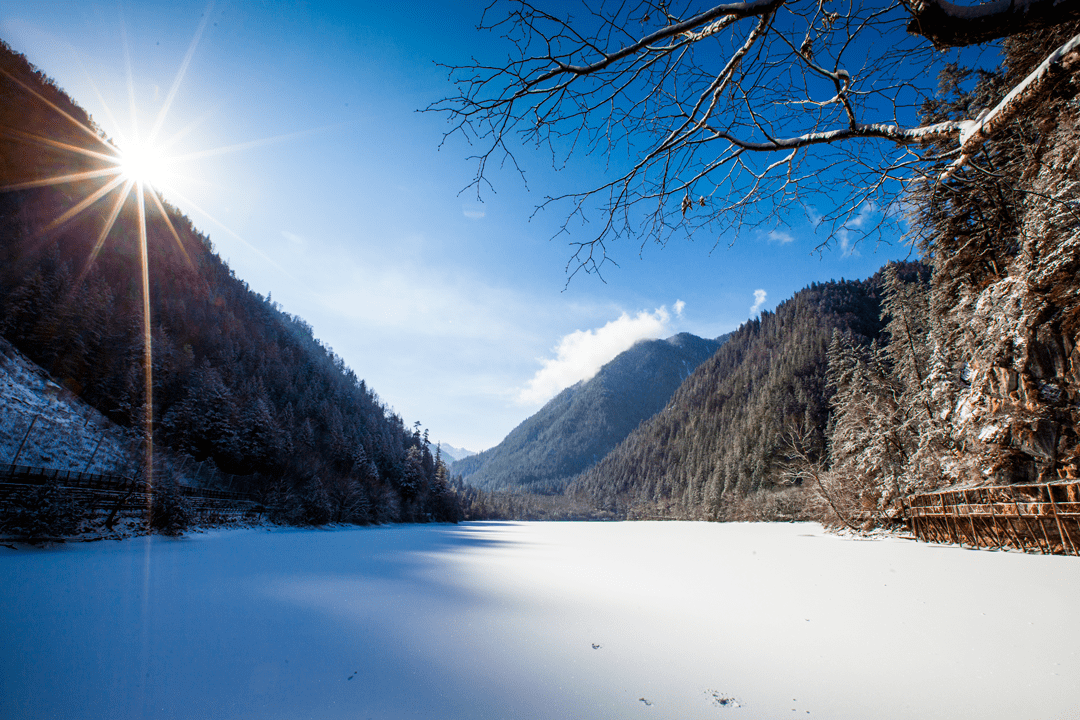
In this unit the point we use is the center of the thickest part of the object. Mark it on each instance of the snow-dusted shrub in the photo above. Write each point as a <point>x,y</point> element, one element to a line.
<point>170,510</point>
<point>348,501</point>
<point>315,508</point>
<point>307,504</point>
<point>45,511</point>
<point>770,506</point>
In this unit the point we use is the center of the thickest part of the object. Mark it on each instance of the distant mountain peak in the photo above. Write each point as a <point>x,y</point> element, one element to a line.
<point>449,452</point>
<point>583,422</point>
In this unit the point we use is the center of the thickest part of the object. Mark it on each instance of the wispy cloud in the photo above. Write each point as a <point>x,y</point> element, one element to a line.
<point>473,212</point>
<point>679,305</point>
<point>851,232</point>
<point>759,300</point>
<point>294,238</point>
<point>579,355</point>
<point>780,236</point>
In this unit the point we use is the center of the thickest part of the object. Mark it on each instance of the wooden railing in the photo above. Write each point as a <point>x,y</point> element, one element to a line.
<point>100,492</point>
<point>1036,518</point>
<point>28,475</point>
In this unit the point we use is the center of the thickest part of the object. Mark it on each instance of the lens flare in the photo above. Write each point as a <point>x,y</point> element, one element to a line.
<point>143,163</point>
<point>138,169</point>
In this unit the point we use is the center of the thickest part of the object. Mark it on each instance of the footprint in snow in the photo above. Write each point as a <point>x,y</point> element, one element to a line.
<point>720,699</point>
<point>596,646</point>
<point>647,702</point>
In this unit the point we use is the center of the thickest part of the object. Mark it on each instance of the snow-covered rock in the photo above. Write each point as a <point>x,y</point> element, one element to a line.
<point>1021,336</point>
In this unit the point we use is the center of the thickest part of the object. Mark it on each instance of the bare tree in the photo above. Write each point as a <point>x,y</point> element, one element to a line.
<point>757,113</point>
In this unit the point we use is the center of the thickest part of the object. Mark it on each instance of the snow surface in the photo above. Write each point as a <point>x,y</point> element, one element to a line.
<point>68,434</point>
<point>537,620</point>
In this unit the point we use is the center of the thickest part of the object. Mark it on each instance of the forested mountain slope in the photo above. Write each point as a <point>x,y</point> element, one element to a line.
<point>236,380</point>
<point>582,423</point>
<point>724,433</point>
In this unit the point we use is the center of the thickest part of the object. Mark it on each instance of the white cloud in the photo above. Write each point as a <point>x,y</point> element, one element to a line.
<point>866,211</point>
<point>679,305</point>
<point>579,355</point>
<point>780,236</point>
<point>473,212</point>
<point>846,248</point>
<point>759,300</point>
<point>851,233</point>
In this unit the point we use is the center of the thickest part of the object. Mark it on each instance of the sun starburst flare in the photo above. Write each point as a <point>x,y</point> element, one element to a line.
<point>136,171</point>
<point>135,168</point>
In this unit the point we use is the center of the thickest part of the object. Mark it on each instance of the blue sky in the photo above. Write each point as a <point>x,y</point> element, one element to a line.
<point>457,312</point>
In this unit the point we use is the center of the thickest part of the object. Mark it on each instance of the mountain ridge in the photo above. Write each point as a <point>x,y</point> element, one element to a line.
<point>721,437</point>
<point>582,423</point>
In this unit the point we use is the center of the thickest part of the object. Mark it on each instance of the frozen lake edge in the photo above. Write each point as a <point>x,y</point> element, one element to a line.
<point>536,620</point>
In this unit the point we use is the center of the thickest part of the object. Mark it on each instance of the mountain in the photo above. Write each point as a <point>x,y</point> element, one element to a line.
<point>237,383</point>
<point>583,422</point>
<point>723,435</point>
<point>451,452</point>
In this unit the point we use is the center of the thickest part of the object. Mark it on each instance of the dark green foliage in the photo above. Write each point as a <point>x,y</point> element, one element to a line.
<point>237,381</point>
<point>970,224</point>
<point>985,373</point>
<point>977,384</point>
<point>477,504</point>
<point>584,422</point>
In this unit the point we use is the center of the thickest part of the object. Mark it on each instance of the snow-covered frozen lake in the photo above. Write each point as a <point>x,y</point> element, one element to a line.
<point>537,620</point>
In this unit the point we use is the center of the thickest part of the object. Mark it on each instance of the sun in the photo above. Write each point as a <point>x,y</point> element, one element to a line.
<point>135,168</point>
<point>143,163</point>
<point>139,167</point>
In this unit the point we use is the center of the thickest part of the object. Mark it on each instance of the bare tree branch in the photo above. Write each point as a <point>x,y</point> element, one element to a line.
<point>742,115</point>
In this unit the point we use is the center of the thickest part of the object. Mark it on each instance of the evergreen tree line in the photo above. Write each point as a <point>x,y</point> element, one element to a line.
<point>237,382</point>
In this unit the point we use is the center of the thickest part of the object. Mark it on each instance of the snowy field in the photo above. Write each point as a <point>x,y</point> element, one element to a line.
<point>537,620</point>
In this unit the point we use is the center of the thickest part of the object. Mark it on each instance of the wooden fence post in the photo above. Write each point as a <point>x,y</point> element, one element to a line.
<point>27,435</point>
<point>971,521</point>
<point>1020,515</point>
<point>993,523</point>
<point>1065,537</point>
<point>87,469</point>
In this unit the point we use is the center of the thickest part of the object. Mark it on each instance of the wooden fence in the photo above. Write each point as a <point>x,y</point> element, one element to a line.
<point>124,495</point>
<point>1035,518</point>
<point>27,475</point>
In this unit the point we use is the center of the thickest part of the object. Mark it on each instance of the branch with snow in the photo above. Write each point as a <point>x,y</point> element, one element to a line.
<point>974,133</point>
<point>689,111</point>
